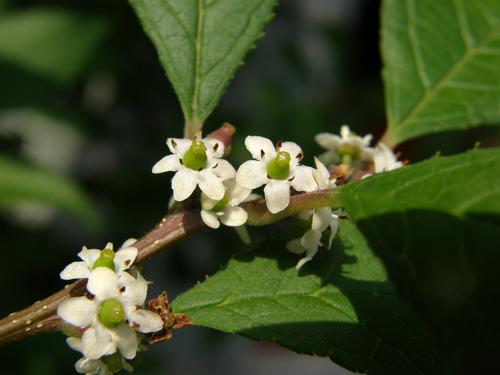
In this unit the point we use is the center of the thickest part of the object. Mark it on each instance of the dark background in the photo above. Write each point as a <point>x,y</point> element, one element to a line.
<point>104,126</point>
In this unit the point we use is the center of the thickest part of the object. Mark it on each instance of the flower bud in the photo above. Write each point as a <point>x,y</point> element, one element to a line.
<point>279,167</point>
<point>114,362</point>
<point>111,313</point>
<point>196,156</point>
<point>105,260</point>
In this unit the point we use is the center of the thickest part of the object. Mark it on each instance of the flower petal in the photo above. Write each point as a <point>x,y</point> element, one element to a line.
<point>211,185</point>
<point>345,132</point>
<point>294,246</point>
<point>215,148</point>
<point>303,179</point>
<point>89,256</point>
<point>322,175</point>
<point>252,174</point>
<point>328,141</point>
<point>311,241</point>
<point>169,163</point>
<point>184,183</point>
<point>135,289</point>
<point>234,216</point>
<point>293,149</point>
<point>277,195</point>
<point>223,169</point>
<point>124,258</point>
<point>178,146</point>
<point>260,147</point>
<point>128,243</point>
<point>74,343</point>
<point>334,227</point>
<point>321,219</point>
<point>97,342</point>
<point>127,340</point>
<point>210,219</point>
<point>235,192</point>
<point>75,270</point>
<point>77,311</point>
<point>103,284</point>
<point>88,366</point>
<point>146,320</point>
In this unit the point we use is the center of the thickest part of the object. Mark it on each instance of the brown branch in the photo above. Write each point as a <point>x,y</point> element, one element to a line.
<point>41,316</point>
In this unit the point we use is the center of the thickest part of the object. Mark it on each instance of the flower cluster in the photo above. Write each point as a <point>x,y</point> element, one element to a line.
<point>110,316</point>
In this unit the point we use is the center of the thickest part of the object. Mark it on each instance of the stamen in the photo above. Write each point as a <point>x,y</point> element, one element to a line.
<point>174,143</point>
<point>279,144</point>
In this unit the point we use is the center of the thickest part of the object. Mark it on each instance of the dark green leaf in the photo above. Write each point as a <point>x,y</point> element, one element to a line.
<point>441,65</point>
<point>201,43</point>
<point>339,305</point>
<point>436,226</point>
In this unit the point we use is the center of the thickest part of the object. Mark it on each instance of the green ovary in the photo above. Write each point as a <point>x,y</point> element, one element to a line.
<point>279,167</point>
<point>221,204</point>
<point>196,156</point>
<point>348,150</point>
<point>111,313</point>
<point>106,259</point>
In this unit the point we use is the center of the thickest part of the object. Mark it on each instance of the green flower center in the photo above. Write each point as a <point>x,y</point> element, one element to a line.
<point>113,361</point>
<point>349,151</point>
<point>196,156</point>
<point>221,204</point>
<point>105,260</point>
<point>279,167</point>
<point>111,313</point>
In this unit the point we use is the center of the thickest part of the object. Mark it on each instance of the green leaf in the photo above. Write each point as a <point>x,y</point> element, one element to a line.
<point>52,43</point>
<point>339,305</point>
<point>20,183</point>
<point>436,226</point>
<point>201,43</point>
<point>441,65</point>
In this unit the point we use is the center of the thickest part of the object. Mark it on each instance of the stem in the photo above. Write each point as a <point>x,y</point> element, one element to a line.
<point>41,316</point>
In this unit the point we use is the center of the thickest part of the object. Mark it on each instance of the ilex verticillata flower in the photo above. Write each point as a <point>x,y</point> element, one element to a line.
<point>346,149</point>
<point>278,168</point>
<point>196,163</point>
<point>384,159</point>
<point>111,313</point>
<point>321,219</point>
<point>93,258</point>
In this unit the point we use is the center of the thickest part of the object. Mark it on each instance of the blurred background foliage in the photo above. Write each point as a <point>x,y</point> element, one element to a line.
<point>85,108</point>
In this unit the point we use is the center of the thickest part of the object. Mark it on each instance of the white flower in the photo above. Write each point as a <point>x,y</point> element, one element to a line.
<point>276,168</point>
<point>225,210</point>
<point>196,163</point>
<point>89,366</point>
<point>120,261</point>
<point>111,314</point>
<point>384,159</point>
<point>345,149</point>
<point>321,219</point>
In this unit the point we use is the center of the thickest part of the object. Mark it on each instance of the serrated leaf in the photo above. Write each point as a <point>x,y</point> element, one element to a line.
<point>20,183</point>
<point>441,65</point>
<point>49,42</point>
<point>339,305</point>
<point>436,226</point>
<point>201,43</point>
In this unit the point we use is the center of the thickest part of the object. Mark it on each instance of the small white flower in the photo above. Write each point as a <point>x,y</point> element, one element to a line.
<point>196,163</point>
<point>227,209</point>
<point>96,366</point>
<point>111,314</point>
<point>120,261</point>
<point>276,168</point>
<point>321,219</point>
<point>384,159</point>
<point>345,149</point>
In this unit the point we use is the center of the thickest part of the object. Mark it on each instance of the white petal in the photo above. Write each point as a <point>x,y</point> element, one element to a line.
<point>128,243</point>
<point>223,169</point>
<point>103,284</point>
<point>124,258</point>
<point>303,179</point>
<point>135,290</point>
<point>88,366</point>
<point>77,311</point>
<point>252,174</point>
<point>384,159</point>
<point>322,175</point>
<point>345,132</point>
<point>234,216</point>
<point>126,340</point>
<point>211,185</point>
<point>293,149</point>
<point>243,234</point>
<point>321,219</point>
<point>169,163</point>
<point>74,343</point>
<point>183,184</point>
<point>210,219</point>
<point>303,261</point>
<point>181,145</point>
<point>311,241</point>
<point>206,202</point>
<point>328,141</point>
<point>295,246</point>
<point>75,270</point>
<point>97,342</point>
<point>147,320</point>
<point>215,148</point>
<point>277,195</point>
<point>235,192</point>
<point>334,227</point>
<point>89,256</point>
<point>260,147</point>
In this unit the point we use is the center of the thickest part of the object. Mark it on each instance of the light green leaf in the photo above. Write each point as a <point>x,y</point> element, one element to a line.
<point>441,65</point>
<point>339,305</point>
<point>53,43</point>
<point>201,43</point>
<point>436,226</point>
<point>20,183</point>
